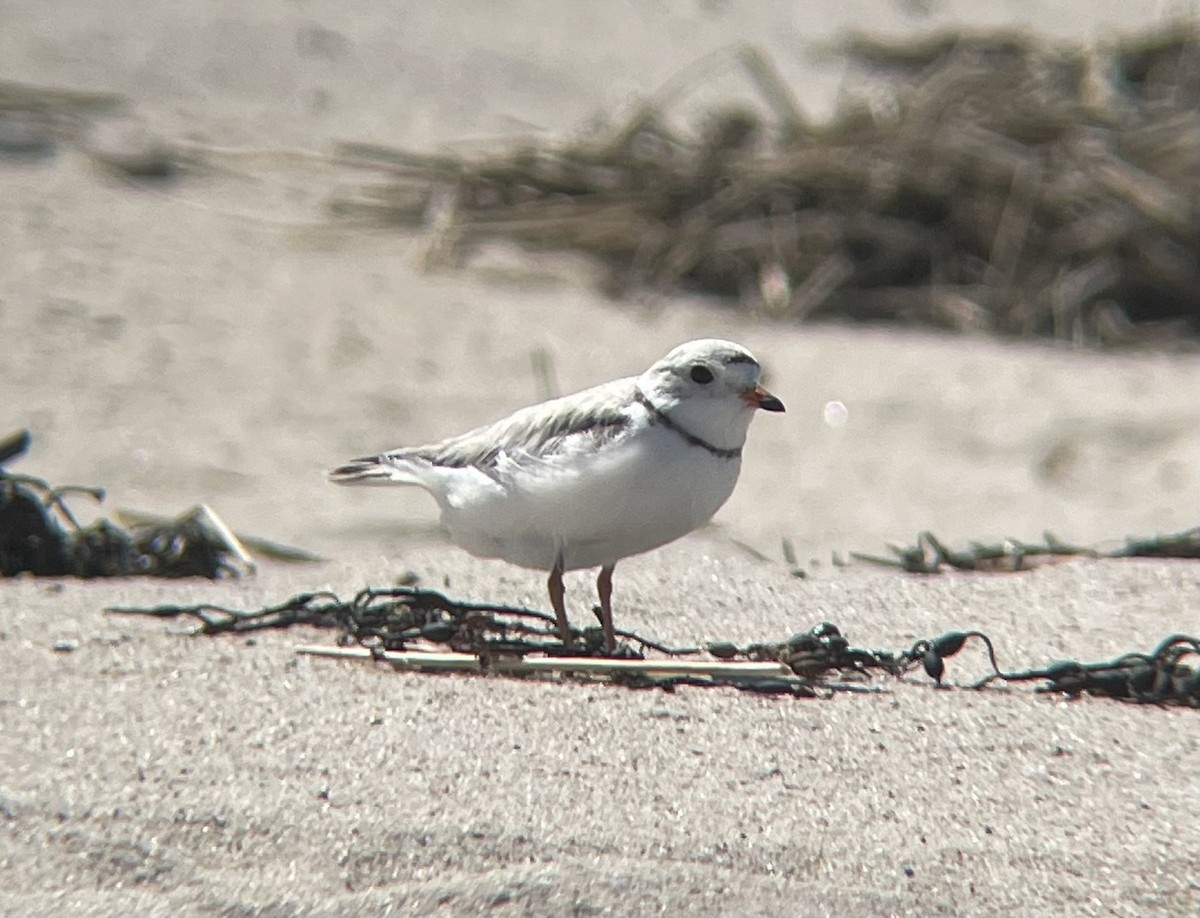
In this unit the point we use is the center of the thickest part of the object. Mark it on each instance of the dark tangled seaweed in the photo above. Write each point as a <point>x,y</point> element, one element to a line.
<point>398,619</point>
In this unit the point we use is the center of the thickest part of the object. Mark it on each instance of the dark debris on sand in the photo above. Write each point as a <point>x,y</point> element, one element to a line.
<point>931,556</point>
<point>404,625</point>
<point>39,535</point>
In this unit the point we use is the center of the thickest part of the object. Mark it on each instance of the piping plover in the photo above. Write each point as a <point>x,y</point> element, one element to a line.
<point>591,478</point>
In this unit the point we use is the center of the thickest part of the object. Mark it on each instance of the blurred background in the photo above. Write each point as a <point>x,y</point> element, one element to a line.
<point>244,243</point>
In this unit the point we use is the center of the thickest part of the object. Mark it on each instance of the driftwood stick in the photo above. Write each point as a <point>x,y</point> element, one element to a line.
<point>424,661</point>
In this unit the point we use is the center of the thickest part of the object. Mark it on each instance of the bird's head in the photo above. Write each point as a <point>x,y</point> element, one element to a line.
<point>711,388</point>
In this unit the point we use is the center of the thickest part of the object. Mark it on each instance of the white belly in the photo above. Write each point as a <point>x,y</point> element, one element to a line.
<point>593,510</point>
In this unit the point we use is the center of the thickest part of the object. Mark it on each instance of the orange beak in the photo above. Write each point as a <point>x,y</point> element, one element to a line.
<point>759,397</point>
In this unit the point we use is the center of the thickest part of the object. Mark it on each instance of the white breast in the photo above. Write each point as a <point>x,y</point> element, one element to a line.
<point>591,508</point>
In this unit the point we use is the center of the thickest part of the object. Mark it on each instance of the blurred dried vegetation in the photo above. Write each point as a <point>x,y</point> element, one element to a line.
<point>997,182</point>
<point>974,181</point>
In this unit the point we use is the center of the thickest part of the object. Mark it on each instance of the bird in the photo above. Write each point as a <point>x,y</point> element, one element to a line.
<point>588,479</point>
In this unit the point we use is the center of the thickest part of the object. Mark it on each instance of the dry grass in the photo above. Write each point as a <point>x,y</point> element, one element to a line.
<point>998,183</point>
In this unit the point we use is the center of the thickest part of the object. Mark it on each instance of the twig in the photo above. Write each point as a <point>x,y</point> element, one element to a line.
<point>465,662</point>
<point>267,548</point>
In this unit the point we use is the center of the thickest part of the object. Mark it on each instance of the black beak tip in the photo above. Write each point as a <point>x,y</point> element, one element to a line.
<point>771,403</point>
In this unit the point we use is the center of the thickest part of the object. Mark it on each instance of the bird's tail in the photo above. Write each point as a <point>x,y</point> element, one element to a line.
<point>374,470</point>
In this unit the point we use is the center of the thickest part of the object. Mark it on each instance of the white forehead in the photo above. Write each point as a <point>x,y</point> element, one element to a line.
<point>711,350</point>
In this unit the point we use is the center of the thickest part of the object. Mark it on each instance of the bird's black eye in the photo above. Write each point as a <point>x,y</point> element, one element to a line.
<point>701,374</point>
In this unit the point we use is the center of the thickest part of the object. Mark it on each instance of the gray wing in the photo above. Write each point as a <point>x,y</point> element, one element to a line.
<point>588,419</point>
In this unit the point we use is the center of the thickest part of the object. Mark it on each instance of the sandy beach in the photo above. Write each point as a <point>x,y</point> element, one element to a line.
<point>220,340</point>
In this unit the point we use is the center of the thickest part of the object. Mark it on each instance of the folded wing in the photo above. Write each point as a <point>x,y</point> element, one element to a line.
<point>529,438</point>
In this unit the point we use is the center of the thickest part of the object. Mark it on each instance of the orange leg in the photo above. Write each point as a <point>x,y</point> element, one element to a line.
<point>604,588</point>
<point>555,586</point>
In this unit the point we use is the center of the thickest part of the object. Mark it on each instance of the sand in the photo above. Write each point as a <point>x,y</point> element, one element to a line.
<point>217,340</point>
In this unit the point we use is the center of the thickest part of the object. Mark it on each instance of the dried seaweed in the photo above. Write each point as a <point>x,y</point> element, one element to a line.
<point>399,625</point>
<point>1159,677</point>
<point>931,556</point>
<point>40,535</point>
<point>395,617</point>
<point>1007,184</point>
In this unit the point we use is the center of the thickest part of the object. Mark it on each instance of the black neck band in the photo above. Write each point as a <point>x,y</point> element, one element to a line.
<point>658,416</point>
